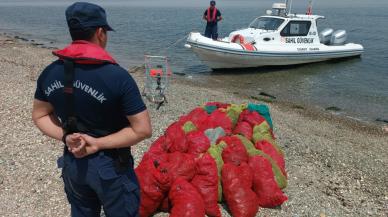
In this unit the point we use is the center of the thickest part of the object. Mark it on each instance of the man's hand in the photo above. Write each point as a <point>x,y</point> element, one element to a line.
<point>139,130</point>
<point>75,145</point>
<point>92,145</point>
<point>82,145</point>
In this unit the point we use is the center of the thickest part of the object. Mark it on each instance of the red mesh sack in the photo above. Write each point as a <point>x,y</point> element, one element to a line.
<point>244,128</point>
<point>154,184</point>
<point>218,119</point>
<point>198,142</point>
<point>252,117</point>
<point>160,145</point>
<point>237,188</point>
<point>185,200</point>
<point>196,116</point>
<point>269,149</point>
<point>181,165</point>
<point>235,151</point>
<point>264,184</point>
<point>218,104</point>
<point>176,136</point>
<point>157,150</point>
<point>206,182</point>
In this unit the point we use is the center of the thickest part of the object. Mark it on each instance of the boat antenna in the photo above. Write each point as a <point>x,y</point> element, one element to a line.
<point>310,8</point>
<point>289,10</point>
<point>286,2</point>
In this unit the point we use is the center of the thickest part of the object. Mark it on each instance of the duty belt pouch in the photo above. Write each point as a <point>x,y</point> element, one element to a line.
<point>124,159</point>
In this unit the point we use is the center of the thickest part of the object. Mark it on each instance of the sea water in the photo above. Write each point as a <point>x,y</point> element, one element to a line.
<point>356,87</point>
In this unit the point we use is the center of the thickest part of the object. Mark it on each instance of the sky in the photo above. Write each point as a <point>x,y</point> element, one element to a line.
<point>202,3</point>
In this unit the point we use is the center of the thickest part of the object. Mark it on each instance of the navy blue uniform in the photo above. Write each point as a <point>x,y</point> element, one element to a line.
<point>104,95</point>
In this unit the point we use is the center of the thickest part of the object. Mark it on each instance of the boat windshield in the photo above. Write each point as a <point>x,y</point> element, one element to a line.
<point>266,23</point>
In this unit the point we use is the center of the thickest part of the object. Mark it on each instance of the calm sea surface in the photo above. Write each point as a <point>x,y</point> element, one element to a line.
<point>358,86</point>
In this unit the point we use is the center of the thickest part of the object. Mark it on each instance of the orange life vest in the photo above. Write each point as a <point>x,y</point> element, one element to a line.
<point>212,17</point>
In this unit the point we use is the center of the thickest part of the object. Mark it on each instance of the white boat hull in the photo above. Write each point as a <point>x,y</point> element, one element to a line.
<point>222,55</point>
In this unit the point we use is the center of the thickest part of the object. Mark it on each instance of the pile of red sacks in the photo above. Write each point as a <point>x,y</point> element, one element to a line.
<point>216,153</point>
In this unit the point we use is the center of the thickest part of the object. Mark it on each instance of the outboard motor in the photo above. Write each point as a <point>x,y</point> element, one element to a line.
<point>325,36</point>
<point>338,38</point>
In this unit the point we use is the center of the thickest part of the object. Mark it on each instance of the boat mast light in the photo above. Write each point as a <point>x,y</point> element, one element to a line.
<point>279,8</point>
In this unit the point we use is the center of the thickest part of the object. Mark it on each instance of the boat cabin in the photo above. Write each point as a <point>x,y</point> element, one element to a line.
<point>278,27</point>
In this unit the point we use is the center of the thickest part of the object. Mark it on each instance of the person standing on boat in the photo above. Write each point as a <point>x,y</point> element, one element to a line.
<point>212,15</point>
<point>91,104</point>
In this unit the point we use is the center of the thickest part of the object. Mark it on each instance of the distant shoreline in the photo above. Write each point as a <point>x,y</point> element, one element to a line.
<point>25,39</point>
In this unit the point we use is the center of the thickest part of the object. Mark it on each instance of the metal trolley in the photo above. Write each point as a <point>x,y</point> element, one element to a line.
<point>157,75</point>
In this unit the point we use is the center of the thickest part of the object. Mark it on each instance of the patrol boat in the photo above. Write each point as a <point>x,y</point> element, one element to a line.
<point>277,38</point>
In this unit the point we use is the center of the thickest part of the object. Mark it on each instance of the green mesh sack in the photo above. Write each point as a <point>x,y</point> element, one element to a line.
<point>263,110</point>
<point>252,151</point>
<point>263,132</point>
<point>248,144</point>
<point>233,112</point>
<point>215,151</point>
<point>280,178</point>
<point>188,127</point>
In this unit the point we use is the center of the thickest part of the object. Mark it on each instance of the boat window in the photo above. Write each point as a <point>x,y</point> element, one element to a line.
<point>296,28</point>
<point>266,23</point>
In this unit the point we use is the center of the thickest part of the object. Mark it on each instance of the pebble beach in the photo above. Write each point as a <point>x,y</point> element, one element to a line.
<point>336,166</point>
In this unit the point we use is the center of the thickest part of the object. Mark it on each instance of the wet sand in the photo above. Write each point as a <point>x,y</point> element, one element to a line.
<point>336,166</point>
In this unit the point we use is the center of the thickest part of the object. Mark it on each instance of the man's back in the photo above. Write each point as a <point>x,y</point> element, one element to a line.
<point>104,94</point>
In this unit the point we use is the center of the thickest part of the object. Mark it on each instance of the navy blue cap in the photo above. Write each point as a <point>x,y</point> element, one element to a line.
<point>83,15</point>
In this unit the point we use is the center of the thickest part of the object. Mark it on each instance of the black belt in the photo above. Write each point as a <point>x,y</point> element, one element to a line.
<point>122,157</point>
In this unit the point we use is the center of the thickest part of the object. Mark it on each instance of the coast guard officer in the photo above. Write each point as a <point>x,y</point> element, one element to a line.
<point>212,16</point>
<point>94,106</point>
